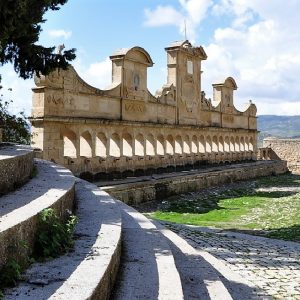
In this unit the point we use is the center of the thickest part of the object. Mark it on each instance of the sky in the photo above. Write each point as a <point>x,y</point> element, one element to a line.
<point>257,42</point>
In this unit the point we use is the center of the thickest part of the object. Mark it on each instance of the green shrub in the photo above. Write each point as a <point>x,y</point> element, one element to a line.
<point>10,273</point>
<point>54,237</point>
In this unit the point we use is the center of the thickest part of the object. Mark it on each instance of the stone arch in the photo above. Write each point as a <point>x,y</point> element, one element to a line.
<point>226,144</point>
<point>101,145</point>
<point>170,145</point>
<point>232,144</point>
<point>186,145</point>
<point>214,144</point>
<point>69,140</point>
<point>208,144</point>
<point>127,145</point>
<point>201,144</point>
<point>246,144</point>
<point>150,145</point>
<point>194,144</point>
<point>139,148</point>
<point>221,144</point>
<point>160,149</point>
<point>178,144</point>
<point>114,145</point>
<point>251,146</point>
<point>86,144</point>
<point>242,144</point>
<point>237,144</point>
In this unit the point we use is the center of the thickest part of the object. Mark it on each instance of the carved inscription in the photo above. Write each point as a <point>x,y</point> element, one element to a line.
<point>229,119</point>
<point>134,107</point>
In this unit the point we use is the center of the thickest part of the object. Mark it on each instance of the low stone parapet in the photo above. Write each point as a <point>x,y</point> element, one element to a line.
<point>159,186</point>
<point>16,166</point>
<point>53,186</point>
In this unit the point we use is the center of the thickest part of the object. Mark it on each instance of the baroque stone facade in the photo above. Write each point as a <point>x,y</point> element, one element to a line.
<point>126,128</point>
<point>284,149</point>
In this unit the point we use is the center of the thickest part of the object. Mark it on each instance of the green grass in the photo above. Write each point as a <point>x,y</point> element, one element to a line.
<point>273,211</point>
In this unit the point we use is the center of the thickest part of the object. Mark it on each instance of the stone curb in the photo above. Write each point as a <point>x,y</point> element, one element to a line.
<point>89,271</point>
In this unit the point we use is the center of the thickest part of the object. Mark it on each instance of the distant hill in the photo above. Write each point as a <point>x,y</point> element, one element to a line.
<point>279,126</point>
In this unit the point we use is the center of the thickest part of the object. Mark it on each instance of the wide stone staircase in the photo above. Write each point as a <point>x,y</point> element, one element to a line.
<point>118,252</point>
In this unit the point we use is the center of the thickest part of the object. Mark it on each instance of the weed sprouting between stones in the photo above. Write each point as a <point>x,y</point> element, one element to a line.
<point>54,237</point>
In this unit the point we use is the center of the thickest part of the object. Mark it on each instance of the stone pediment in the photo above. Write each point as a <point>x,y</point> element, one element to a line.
<point>136,54</point>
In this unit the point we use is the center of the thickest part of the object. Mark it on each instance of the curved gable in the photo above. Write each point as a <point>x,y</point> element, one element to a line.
<point>230,83</point>
<point>137,54</point>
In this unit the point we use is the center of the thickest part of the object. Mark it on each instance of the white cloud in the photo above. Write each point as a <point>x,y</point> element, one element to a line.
<point>163,15</point>
<point>60,33</point>
<point>191,13</point>
<point>98,74</point>
<point>262,56</point>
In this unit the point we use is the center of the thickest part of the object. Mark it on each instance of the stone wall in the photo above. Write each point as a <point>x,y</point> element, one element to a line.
<point>285,149</point>
<point>162,187</point>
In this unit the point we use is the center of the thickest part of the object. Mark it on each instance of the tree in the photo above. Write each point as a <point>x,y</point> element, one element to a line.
<point>16,128</point>
<point>20,26</point>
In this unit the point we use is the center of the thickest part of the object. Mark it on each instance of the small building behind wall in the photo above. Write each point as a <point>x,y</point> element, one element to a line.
<point>126,128</point>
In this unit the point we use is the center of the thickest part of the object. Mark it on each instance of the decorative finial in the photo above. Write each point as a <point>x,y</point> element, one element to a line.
<point>60,48</point>
<point>185,29</point>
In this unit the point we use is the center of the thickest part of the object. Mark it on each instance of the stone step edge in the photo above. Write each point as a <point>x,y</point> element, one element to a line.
<point>215,288</point>
<point>96,263</point>
<point>18,227</point>
<point>216,263</point>
<point>16,166</point>
<point>170,286</point>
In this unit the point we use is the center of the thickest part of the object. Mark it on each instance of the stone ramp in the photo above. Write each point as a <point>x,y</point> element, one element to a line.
<point>158,264</point>
<point>89,271</point>
<point>147,268</point>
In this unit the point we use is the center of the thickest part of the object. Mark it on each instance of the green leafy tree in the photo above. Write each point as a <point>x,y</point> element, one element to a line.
<point>16,128</point>
<point>20,26</point>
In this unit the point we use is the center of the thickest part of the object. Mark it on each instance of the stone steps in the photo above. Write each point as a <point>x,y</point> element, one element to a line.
<point>156,263</point>
<point>52,187</point>
<point>147,269</point>
<point>199,279</point>
<point>88,272</point>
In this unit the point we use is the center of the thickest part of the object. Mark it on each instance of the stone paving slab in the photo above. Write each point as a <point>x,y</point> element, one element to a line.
<point>273,266</point>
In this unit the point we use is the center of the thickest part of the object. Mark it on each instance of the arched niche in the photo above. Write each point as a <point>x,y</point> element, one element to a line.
<point>101,145</point>
<point>86,144</point>
<point>69,140</point>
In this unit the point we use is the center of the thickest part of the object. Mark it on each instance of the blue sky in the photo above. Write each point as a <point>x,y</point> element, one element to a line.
<point>257,42</point>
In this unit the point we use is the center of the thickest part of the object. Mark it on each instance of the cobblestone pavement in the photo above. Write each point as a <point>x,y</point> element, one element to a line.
<point>271,265</point>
